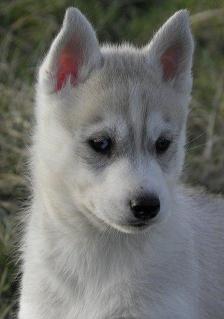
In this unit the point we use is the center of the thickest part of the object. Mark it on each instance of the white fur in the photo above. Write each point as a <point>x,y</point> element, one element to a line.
<point>81,257</point>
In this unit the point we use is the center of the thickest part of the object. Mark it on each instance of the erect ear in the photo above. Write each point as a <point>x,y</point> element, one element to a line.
<point>73,54</point>
<point>170,51</point>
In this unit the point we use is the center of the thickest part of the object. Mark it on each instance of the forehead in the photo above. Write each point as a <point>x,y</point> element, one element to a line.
<point>126,88</point>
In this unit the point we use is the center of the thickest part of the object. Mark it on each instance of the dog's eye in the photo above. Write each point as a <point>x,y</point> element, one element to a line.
<point>162,144</point>
<point>101,144</point>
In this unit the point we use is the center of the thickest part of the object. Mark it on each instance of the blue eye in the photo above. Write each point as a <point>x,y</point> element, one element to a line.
<point>101,144</point>
<point>162,145</point>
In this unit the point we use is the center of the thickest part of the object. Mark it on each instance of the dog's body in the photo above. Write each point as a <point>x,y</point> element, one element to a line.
<point>110,129</point>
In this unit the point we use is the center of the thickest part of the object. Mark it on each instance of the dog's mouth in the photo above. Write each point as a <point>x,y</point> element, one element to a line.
<point>138,224</point>
<point>134,226</point>
<point>128,227</point>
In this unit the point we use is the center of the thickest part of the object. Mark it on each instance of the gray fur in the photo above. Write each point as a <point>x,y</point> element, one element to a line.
<point>82,257</point>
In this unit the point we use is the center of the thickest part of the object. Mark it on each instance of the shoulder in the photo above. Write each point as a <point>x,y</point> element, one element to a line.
<point>203,211</point>
<point>202,201</point>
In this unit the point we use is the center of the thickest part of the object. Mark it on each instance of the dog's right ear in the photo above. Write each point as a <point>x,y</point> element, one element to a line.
<point>73,54</point>
<point>170,52</point>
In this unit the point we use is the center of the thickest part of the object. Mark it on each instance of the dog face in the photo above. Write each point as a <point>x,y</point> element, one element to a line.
<point>111,123</point>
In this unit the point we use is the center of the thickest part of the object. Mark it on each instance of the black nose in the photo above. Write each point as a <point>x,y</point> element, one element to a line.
<point>145,207</point>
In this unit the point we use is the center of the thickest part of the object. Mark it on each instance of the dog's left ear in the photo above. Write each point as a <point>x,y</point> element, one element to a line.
<point>73,55</point>
<point>170,52</point>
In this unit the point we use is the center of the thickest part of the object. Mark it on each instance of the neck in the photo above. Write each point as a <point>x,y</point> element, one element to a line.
<point>79,246</point>
<point>73,249</point>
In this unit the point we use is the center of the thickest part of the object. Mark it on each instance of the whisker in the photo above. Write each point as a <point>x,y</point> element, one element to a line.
<point>196,138</point>
<point>192,148</point>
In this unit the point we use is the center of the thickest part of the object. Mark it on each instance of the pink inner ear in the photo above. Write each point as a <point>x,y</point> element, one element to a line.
<point>67,67</point>
<point>170,61</point>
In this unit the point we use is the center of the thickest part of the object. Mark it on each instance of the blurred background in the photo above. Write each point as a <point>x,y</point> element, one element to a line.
<point>26,31</point>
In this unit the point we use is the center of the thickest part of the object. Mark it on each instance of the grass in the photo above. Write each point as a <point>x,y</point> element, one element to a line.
<point>26,29</point>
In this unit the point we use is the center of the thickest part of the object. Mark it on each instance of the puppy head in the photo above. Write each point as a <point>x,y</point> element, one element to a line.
<point>111,123</point>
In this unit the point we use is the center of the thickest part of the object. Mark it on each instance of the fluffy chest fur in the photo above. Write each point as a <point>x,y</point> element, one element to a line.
<point>110,275</point>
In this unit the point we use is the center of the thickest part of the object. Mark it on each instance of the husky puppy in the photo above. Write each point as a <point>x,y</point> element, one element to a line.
<point>111,232</point>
